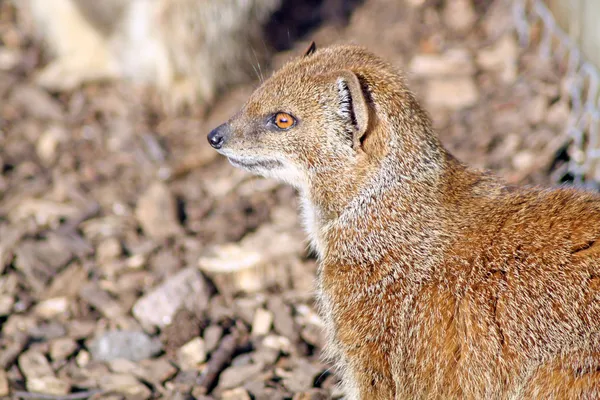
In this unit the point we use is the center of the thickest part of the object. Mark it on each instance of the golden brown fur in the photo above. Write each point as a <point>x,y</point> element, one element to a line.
<point>190,49</point>
<point>436,281</point>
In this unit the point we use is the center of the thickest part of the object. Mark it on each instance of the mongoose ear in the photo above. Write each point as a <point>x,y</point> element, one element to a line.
<point>311,49</point>
<point>352,104</point>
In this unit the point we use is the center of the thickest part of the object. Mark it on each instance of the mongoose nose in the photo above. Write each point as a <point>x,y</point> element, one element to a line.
<point>216,137</point>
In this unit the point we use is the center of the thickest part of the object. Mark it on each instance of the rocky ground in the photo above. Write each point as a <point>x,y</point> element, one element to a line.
<point>137,264</point>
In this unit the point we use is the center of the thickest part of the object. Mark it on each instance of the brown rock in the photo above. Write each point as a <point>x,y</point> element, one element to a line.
<point>192,354</point>
<point>186,288</point>
<point>156,211</point>
<point>261,324</point>
<point>157,370</point>
<point>4,388</point>
<point>235,394</point>
<point>36,102</point>
<point>62,348</point>
<point>235,376</point>
<point>39,376</point>
<point>100,300</point>
<point>455,62</point>
<point>282,318</point>
<point>126,385</point>
<point>452,93</point>
<point>501,57</point>
<point>459,15</point>
<point>212,335</point>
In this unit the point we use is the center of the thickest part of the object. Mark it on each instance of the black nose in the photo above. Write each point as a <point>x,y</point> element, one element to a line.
<point>217,136</point>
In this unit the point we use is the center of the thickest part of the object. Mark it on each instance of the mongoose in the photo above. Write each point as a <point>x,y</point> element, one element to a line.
<point>436,281</point>
<point>189,49</point>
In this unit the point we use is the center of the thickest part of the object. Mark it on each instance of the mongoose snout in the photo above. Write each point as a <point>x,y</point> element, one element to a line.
<point>435,280</point>
<point>217,136</point>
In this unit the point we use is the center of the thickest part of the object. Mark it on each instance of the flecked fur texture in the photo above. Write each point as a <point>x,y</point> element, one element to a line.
<point>436,281</point>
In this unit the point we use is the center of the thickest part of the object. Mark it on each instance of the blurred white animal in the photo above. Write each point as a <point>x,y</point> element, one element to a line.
<point>189,49</point>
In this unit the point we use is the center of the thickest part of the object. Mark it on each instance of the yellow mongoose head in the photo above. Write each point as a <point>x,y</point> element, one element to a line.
<point>338,111</point>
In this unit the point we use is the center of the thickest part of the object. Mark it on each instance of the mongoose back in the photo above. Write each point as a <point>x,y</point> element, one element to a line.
<point>436,281</point>
<point>188,49</point>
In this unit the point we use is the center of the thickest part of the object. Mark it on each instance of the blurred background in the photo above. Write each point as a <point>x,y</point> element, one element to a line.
<point>136,263</point>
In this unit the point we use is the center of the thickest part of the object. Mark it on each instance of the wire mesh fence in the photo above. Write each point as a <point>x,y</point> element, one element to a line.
<point>536,28</point>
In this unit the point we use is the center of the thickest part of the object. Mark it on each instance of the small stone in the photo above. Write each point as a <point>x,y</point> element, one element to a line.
<point>48,330</point>
<point>502,57</point>
<point>312,394</point>
<point>9,58</point>
<point>536,109</point>
<point>524,160</point>
<point>124,384</point>
<point>184,381</point>
<point>39,376</point>
<point>123,366</point>
<point>453,93</point>
<point>33,364</point>
<point>130,345</point>
<point>62,348</point>
<point>235,266</point>
<point>557,115</point>
<point>459,15</point>
<point>6,304</point>
<point>212,335</point>
<point>158,307</point>
<point>265,355</point>
<point>283,321</point>
<point>245,307</point>
<point>102,301</point>
<point>79,329</point>
<point>242,359</point>
<point>37,102</point>
<point>456,62</point>
<point>48,385</point>
<point>260,391</point>
<point>191,354</point>
<point>62,284</point>
<point>136,261</point>
<point>4,388</point>
<point>235,376</point>
<point>261,324</point>
<point>47,144</point>
<point>108,250</point>
<point>241,267</point>
<point>313,335</point>
<point>157,212</point>
<point>302,377</point>
<point>184,327</point>
<point>52,308</point>
<point>280,343</point>
<point>306,315</point>
<point>157,371</point>
<point>235,394</point>
<point>83,359</point>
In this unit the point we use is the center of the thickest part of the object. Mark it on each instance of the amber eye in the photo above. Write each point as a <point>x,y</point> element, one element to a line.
<point>284,120</point>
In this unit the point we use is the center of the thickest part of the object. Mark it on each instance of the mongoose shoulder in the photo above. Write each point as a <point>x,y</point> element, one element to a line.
<point>435,280</point>
<point>188,49</point>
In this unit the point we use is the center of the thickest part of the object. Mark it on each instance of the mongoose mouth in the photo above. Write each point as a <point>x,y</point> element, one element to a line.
<point>251,164</point>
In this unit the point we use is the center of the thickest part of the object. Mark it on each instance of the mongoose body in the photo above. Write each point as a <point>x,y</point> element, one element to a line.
<point>190,49</point>
<point>436,281</point>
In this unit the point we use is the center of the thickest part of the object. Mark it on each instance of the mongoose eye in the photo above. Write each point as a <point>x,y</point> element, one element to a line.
<point>284,120</point>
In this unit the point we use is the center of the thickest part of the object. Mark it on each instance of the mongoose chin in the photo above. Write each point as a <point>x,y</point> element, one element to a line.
<point>435,280</point>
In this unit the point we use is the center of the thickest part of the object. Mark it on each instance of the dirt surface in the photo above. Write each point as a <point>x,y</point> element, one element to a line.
<point>136,263</point>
